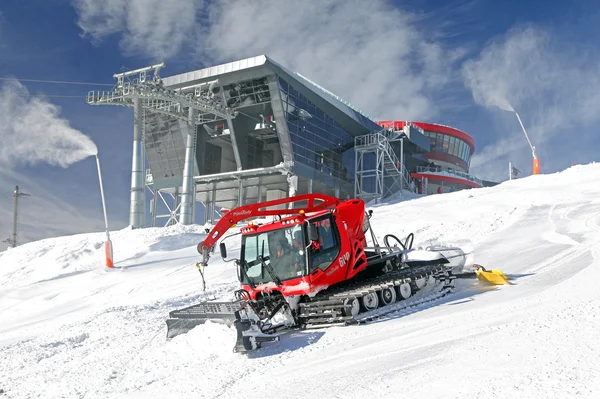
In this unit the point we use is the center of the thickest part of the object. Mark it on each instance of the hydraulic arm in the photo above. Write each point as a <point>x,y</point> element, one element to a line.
<point>314,203</point>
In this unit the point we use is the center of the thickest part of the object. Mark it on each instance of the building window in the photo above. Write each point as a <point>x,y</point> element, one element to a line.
<point>440,141</point>
<point>432,140</point>
<point>451,145</point>
<point>446,144</point>
<point>317,140</point>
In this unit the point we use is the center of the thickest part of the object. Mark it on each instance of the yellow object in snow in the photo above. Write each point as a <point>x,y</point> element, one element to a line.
<point>495,277</point>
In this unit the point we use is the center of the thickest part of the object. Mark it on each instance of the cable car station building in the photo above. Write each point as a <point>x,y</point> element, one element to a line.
<point>250,131</point>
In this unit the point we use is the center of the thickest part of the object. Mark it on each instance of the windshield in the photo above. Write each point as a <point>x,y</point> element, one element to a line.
<point>283,251</point>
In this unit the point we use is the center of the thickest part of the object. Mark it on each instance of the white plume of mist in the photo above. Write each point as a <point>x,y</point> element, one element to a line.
<point>31,131</point>
<point>552,84</point>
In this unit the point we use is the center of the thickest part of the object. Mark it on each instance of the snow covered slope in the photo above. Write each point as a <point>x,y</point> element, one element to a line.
<point>70,328</point>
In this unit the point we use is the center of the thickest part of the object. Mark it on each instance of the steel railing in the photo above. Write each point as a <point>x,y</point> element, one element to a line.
<point>437,170</point>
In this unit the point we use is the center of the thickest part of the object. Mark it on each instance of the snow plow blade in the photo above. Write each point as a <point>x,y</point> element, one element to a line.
<point>495,277</point>
<point>183,320</point>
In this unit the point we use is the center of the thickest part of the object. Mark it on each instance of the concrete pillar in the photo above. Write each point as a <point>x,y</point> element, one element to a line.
<point>137,213</point>
<point>187,186</point>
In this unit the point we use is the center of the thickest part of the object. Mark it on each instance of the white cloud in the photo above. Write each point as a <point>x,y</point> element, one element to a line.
<point>156,28</point>
<point>555,88</point>
<point>376,57</point>
<point>31,131</point>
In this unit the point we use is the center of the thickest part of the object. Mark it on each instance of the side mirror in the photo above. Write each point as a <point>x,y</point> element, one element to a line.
<point>312,232</point>
<point>223,249</point>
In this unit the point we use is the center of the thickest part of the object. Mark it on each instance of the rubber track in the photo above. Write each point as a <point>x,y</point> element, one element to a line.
<point>406,304</point>
<point>328,309</point>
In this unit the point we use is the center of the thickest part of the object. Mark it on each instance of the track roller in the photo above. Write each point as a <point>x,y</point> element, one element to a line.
<point>404,290</point>
<point>370,301</point>
<point>387,295</point>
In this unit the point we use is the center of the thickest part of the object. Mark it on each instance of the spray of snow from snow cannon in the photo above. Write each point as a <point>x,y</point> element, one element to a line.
<point>32,132</point>
<point>494,97</point>
<point>503,103</point>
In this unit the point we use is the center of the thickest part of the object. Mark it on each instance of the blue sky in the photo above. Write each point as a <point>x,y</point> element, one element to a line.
<point>450,62</point>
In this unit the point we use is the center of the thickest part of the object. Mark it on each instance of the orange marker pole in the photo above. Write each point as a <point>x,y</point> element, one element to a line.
<point>108,249</point>
<point>536,166</point>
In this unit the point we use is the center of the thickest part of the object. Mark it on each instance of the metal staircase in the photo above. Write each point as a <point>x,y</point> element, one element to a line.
<point>378,170</point>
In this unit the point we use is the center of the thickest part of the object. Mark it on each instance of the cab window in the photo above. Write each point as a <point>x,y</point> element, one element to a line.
<point>326,249</point>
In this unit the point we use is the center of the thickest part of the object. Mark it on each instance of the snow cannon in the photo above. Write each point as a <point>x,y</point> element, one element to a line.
<point>495,277</point>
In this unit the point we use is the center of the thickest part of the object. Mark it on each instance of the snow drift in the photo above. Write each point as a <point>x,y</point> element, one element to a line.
<point>71,328</point>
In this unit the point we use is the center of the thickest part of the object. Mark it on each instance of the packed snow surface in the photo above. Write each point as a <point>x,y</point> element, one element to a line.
<point>71,328</point>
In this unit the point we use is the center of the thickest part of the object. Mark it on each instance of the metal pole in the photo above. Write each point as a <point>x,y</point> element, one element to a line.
<point>401,165</point>
<point>213,206</point>
<point>17,193</point>
<point>137,209</point>
<point>259,194</point>
<point>526,136</point>
<point>108,248</point>
<point>509,171</point>
<point>241,193</point>
<point>187,200</point>
<point>102,194</point>
<point>154,202</point>
<point>13,240</point>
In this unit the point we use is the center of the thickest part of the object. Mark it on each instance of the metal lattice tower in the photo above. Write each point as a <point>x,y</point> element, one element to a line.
<point>142,89</point>
<point>388,173</point>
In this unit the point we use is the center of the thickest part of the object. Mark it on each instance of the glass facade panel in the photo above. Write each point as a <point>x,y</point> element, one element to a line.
<point>164,145</point>
<point>248,92</point>
<point>452,145</point>
<point>432,139</point>
<point>446,144</point>
<point>439,142</point>
<point>317,140</point>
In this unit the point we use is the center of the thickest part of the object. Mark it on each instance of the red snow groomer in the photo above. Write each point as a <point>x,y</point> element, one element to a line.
<point>314,268</point>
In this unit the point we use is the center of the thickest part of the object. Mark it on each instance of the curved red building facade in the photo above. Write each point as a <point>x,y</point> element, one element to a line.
<point>446,164</point>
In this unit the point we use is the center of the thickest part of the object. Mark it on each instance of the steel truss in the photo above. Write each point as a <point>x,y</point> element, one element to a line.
<point>389,173</point>
<point>156,98</point>
<point>143,90</point>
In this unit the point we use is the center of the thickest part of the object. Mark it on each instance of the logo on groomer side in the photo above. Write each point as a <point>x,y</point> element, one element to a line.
<point>342,262</point>
<point>240,213</point>
<point>344,259</point>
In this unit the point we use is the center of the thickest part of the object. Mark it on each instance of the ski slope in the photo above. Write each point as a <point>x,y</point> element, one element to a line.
<point>71,328</point>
